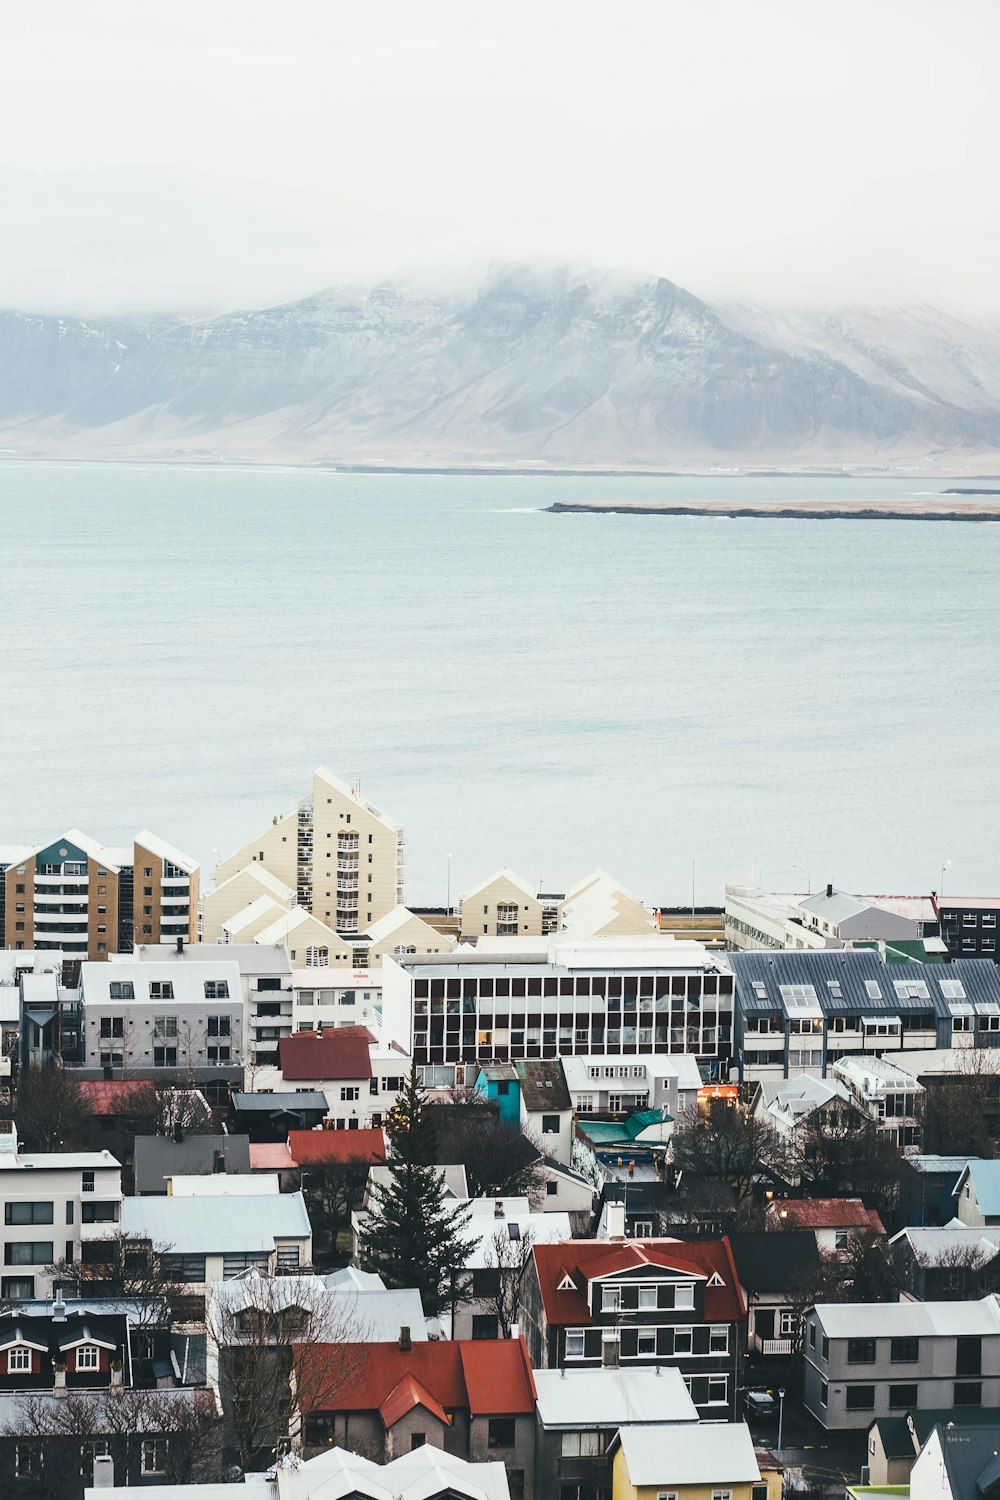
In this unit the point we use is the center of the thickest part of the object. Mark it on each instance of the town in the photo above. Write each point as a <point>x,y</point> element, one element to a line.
<point>540,1195</point>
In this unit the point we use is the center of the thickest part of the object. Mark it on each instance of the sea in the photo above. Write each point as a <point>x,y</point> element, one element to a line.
<point>681,701</point>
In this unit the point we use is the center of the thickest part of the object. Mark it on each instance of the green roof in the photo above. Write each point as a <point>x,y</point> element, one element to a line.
<point>637,1123</point>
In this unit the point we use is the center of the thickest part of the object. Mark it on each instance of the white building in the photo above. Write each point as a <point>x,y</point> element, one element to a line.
<point>265,982</point>
<point>158,1015</point>
<point>54,1202</point>
<point>887,1095</point>
<point>609,1085</point>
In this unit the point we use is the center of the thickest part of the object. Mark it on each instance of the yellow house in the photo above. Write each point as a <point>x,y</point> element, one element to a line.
<point>689,1461</point>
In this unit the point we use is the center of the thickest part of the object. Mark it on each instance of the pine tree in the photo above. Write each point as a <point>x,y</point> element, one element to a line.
<point>413,1237</point>
<point>408,1124</point>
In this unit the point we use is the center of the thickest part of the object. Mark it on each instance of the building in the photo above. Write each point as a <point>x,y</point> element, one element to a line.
<point>609,997</point>
<point>473,1400</point>
<point>927,1185</point>
<point>159,1158</point>
<point>691,1462</point>
<point>337,997</point>
<point>360,1078</point>
<point>776,1274</point>
<point>502,906</point>
<point>54,1202</point>
<point>250,899</point>
<point>790,1105</point>
<point>609,1086</point>
<point>341,855</point>
<point>593,1303</point>
<point>875,1359</point>
<point>598,906</point>
<point>799,1012</point>
<point>579,1413</point>
<point>958,1460</point>
<point>891,1098</point>
<point>84,1344</point>
<point>499,1234</point>
<point>969,925</point>
<point>831,1220</point>
<point>827,919</point>
<point>953,1263</point>
<point>163,1019</point>
<point>86,900</point>
<point>977,1194</point>
<point>270,1116</point>
<point>318,1148</point>
<point>546,1109</point>
<point>895,1443</point>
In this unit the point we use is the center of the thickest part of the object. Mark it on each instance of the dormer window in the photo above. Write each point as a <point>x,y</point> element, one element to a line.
<point>19,1360</point>
<point>88,1357</point>
<point>567,1284</point>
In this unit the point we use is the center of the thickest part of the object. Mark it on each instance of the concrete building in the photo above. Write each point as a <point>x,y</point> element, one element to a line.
<point>874,1359</point>
<point>503,906</point>
<point>611,996</point>
<point>53,1203</point>
<point>755,919</point>
<point>611,1086</point>
<point>86,900</point>
<point>888,1096</point>
<point>969,925</point>
<point>252,887</point>
<point>360,1078</point>
<point>265,981</point>
<point>341,854</point>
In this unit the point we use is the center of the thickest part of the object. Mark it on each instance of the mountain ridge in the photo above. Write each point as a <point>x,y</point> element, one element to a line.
<point>549,369</point>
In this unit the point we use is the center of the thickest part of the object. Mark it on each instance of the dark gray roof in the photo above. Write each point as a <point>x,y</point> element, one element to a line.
<point>280,1103</point>
<point>543,1085</point>
<point>970,1457</point>
<point>158,1157</point>
<point>851,970</point>
<point>774,1262</point>
<point>923,1423</point>
<point>190,1355</point>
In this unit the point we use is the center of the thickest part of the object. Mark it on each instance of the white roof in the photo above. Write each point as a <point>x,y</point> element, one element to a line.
<point>485,1224</point>
<point>936,1062</point>
<point>15,854</point>
<point>421,1474</point>
<point>596,903</point>
<point>224,1185</point>
<point>875,1074</point>
<point>197,1226</point>
<point>287,922</point>
<point>165,851</point>
<point>504,874</point>
<point>38,960</point>
<point>522,945</point>
<point>673,1455</point>
<point>40,988</point>
<point>251,958</point>
<point>874,1320</point>
<point>606,1398</point>
<point>348,791</point>
<point>59,1161</point>
<point>935,1247</point>
<point>681,1065</point>
<point>263,906</point>
<point>394,920</point>
<point>357,1315</point>
<point>188,979</point>
<point>263,877</point>
<point>657,951</point>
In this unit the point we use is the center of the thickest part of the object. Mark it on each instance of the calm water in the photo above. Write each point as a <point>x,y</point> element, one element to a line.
<point>181,646</point>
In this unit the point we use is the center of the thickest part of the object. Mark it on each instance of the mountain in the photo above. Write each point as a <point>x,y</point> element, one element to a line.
<point>531,368</point>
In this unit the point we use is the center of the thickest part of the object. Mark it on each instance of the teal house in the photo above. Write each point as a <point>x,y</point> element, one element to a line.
<point>499,1083</point>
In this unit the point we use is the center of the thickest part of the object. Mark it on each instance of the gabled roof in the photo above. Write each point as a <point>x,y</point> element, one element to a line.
<point>336,1052</point>
<point>158,1157</point>
<point>335,1146</point>
<point>255,911</point>
<point>543,1086</point>
<point>165,851</point>
<point>612,1397</point>
<point>404,1396</point>
<point>401,916</point>
<point>99,1097</point>
<point>774,1262</point>
<point>322,774</point>
<point>720,1453</point>
<point>970,1458</point>
<point>985,1177</point>
<point>504,874</point>
<point>825,1213</point>
<point>850,1320</point>
<point>262,875</point>
<point>499,1370</point>
<point>587,1260</point>
<point>289,922</point>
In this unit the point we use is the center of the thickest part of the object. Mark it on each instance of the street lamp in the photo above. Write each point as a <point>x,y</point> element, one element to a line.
<point>781,1414</point>
<point>449,886</point>
<point>944,867</point>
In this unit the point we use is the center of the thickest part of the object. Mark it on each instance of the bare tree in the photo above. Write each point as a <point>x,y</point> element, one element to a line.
<point>283,1347</point>
<point>508,1257</point>
<point>162,1111</point>
<point>730,1145</point>
<point>49,1108</point>
<point>961,1112</point>
<point>129,1268</point>
<point>331,1191</point>
<point>500,1161</point>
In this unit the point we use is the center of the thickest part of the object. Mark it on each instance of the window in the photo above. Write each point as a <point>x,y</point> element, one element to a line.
<point>902,1397</point>
<point>684,1295</point>
<point>219,1025</point>
<point>28,1458</point>
<point>722,1495</point>
<point>550,1124</point>
<point>860,1398</point>
<point>27,1213</point>
<point>583,1444</point>
<point>551,1189</point>
<point>19,1361</point>
<point>841,1239</point>
<point>500,1433</point>
<point>164,1057</point>
<point>718,1339</point>
<point>611,1298</point>
<point>18,1288</point>
<point>29,1253</point>
<point>824,1393</point>
<point>219,1056</point>
<point>860,1351</point>
<point>94,1212</point>
<point>904,1351</point>
<point>574,1344</point>
<point>87,1180</point>
<point>484,1326</point>
<point>154,1455</point>
<point>88,1357</point>
<point>968,1356</point>
<point>161,989</point>
<point>113,1026</point>
<point>968,1393</point>
<point>216,989</point>
<point>718,1390</point>
<point>112,1059</point>
<point>350,1093</point>
<point>417,1440</point>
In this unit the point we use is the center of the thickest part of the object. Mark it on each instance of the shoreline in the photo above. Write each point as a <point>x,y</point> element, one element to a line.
<point>861,510</point>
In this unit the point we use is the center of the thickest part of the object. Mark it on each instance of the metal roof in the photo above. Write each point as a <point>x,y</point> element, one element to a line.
<point>875,1320</point>
<point>866,985</point>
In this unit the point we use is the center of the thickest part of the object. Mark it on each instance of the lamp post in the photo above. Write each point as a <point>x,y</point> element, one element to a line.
<point>449,886</point>
<point>809,884</point>
<point>944,867</point>
<point>781,1414</point>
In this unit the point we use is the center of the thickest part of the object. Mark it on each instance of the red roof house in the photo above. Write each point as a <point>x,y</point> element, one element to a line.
<point>338,1052</point>
<point>335,1147</point>
<point>823,1213</point>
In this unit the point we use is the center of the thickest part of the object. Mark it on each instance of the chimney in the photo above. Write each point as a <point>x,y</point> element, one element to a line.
<point>104,1472</point>
<point>180,943</point>
<point>178,1133</point>
<point>615,1219</point>
<point>829,888</point>
<point>218,1161</point>
<point>498,1209</point>
<point>319,1028</point>
<point>58,1309</point>
<point>405,1344</point>
<point>609,1348</point>
<point>515,1331</point>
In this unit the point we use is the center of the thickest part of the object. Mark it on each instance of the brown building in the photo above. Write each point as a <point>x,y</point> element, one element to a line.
<point>86,900</point>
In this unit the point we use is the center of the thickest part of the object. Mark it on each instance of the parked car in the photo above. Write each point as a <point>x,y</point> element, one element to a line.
<point>760,1404</point>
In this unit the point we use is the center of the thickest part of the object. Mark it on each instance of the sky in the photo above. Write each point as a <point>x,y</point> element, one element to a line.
<point>202,155</point>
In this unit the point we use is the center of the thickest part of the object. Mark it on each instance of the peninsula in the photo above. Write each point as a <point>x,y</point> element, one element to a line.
<point>806,510</point>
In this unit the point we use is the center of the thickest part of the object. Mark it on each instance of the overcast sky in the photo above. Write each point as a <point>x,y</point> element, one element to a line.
<point>208,154</point>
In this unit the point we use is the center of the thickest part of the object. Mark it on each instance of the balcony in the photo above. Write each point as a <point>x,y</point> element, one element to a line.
<point>172,882</point>
<point>772,1346</point>
<point>347,864</point>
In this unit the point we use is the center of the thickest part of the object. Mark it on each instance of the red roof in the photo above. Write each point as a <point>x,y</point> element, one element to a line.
<point>586,1260</point>
<point>342,1146</point>
<point>270,1156</point>
<point>337,1052</point>
<point>100,1097</point>
<point>487,1377</point>
<point>825,1213</point>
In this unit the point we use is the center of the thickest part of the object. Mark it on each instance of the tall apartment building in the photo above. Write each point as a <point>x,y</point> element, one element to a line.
<point>341,855</point>
<point>610,997</point>
<point>87,900</point>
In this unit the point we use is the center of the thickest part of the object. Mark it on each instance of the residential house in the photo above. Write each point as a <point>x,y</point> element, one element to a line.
<point>504,905</point>
<point>778,1275</point>
<point>579,1413</point>
<point>270,1116</point>
<point>628,997</point>
<point>311,1149</point>
<point>598,907</point>
<point>593,1303</point>
<point>253,888</point>
<point>790,1105</point>
<point>955,1262</point>
<point>927,1188</point>
<point>620,1086</point>
<point>977,1194</point>
<point>500,1234</point>
<point>337,997</point>
<point>158,1158</point>
<point>546,1110</point>
<point>644,1136</point>
<point>895,1443</point>
<point>360,1078</point>
<point>84,1344</point>
<point>832,1220</point>
<point>691,1462</point>
<point>475,1400</point>
<point>874,1359</point>
<point>890,1098</point>
<point>958,1461</point>
<point>53,1202</point>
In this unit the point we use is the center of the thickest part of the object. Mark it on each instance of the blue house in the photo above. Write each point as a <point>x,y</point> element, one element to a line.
<point>499,1083</point>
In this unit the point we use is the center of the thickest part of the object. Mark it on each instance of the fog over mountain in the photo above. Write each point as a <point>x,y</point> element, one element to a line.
<point>531,367</point>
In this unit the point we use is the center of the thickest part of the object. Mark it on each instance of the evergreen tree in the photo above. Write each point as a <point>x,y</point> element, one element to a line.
<point>409,1126</point>
<point>413,1237</point>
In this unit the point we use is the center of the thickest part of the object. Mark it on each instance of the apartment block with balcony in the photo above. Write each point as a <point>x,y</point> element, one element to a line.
<point>53,1203</point>
<point>890,1098</point>
<point>609,997</point>
<point>88,901</point>
<point>265,983</point>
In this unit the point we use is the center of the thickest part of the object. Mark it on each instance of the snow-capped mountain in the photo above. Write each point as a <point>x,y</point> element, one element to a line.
<point>532,367</point>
